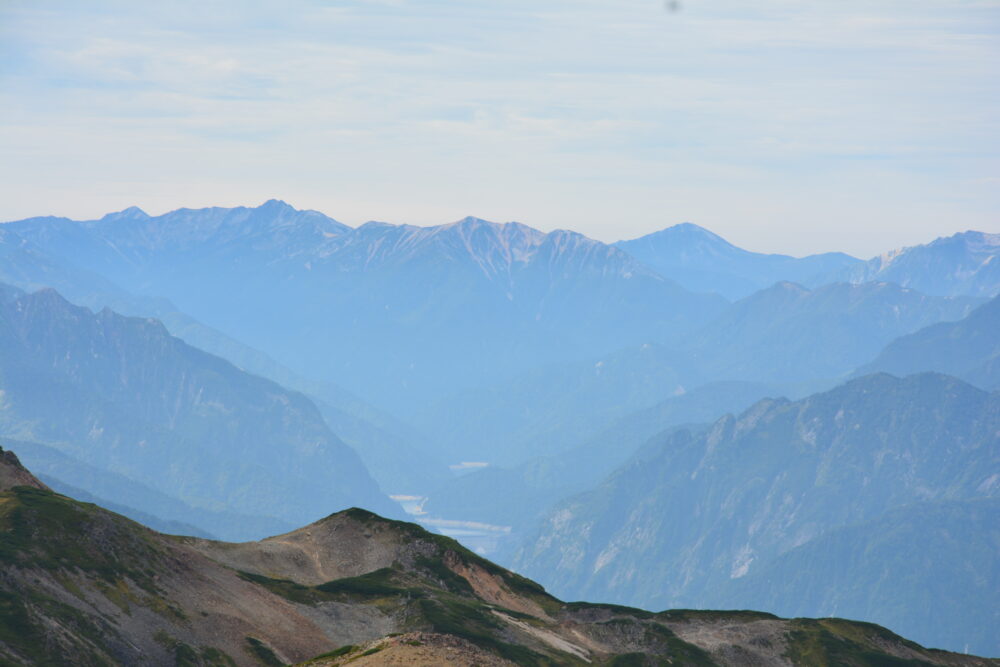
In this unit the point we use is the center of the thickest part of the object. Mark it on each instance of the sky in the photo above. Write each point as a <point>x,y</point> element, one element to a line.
<point>783,125</point>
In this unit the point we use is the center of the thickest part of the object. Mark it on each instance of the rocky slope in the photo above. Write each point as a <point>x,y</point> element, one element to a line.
<point>84,586</point>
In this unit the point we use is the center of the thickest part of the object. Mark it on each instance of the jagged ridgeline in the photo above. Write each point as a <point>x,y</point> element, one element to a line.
<point>81,585</point>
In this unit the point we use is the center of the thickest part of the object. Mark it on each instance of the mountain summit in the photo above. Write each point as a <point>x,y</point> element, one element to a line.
<point>703,261</point>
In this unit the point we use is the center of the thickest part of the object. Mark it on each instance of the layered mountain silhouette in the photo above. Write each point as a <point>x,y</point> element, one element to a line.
<point>85,586</point>
<point>122,395</point>
<point>961,264</point>
<point>968,349</point>
<point>392,450</point>
<point>394,312</point>
<point>698,509</point>
<point>789,333</point>
<point>966,263</point>
<point>215,372</point>
<point>787,339</point>
<point>705,262</point>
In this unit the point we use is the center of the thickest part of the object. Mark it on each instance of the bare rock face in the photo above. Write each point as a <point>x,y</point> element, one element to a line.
<point>12,473</point>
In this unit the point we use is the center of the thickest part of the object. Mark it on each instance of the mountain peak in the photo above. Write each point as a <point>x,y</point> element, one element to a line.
<point>12,473</point>
<point>130,213</point>
<point>473,220</point>
<point>686,232</point>
<point>275,205</point>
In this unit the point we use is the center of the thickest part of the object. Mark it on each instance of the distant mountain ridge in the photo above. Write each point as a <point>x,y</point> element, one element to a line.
<point>964,263</point>
<point>968,349</point>
<point>786,335</point>
<point>790,333</point>
<point>396,313</point>
<point>703,261</point>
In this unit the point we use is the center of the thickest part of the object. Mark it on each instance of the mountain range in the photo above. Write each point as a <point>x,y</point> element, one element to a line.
<point>705,262</point>
<point>787,339</point>
<point>392,450</point>
<point>84,586</point>
<point>964,263</point>
<point>961,264</point>
<point>395,313</point>
<point>697,509</point>
<point>122,395</point>
<point>667,421</point>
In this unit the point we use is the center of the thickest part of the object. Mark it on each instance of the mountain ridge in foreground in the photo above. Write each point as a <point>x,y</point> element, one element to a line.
<point>85,586</point>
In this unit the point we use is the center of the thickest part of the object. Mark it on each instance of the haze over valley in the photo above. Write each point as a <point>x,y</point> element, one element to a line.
<point>554,403</point>
<point>388,333</point>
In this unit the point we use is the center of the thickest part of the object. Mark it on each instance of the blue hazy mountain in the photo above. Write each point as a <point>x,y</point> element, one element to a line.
<point>702,507</point>
<point>702,261</point>
<point>789,333</point>
<point>792,339</point>
<point>141,502</point>
<point>926,570</point>
<point>965,263</point>
<point>392,451</point>
<point>968,349</point>
<point>123,395</point>
<point>395,313</point>
<point>518,496</point>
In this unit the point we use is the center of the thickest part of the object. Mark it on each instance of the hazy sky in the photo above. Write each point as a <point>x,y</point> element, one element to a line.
<point>791,126</point>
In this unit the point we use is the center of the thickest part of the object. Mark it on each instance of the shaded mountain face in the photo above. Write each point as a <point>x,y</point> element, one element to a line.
<point>966,263</point>
<point>924,570</point>
<point>396,313</point>
<point>699,509</point>
<point>393,452</point>
<point>788,333</point>
<point>705,262</point>
<point>84,586</point>
<point>122,395</point>
<point>968,349</point>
